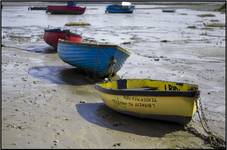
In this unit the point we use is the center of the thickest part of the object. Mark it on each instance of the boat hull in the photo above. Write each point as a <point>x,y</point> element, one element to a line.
<point>174,106</point>
<point>100,60</point>
<point>74,10</point>
<point>119,9</point>
<point>51,36</point>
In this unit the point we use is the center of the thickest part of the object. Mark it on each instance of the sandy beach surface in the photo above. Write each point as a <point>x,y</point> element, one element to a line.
<point>47,103</point>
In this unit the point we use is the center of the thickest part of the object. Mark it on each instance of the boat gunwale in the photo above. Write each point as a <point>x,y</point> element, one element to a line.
<point>52,8</point>
<point>56,30</point>
<point>128,92</point>
<point>96,45</point>
<point>61,31</point>
<point>60,6</point>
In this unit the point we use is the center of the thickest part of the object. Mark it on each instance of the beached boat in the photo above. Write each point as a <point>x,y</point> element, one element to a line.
<point>155,99</point>
<point>124,7</point>
<point>71,8</point>
<point>51,36</point>
<point>101,60</point>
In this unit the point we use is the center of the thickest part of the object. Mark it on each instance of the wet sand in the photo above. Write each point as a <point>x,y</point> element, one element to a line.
<point>47,103</point>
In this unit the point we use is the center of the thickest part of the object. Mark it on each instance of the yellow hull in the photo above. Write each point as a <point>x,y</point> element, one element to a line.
<point>178,105</point>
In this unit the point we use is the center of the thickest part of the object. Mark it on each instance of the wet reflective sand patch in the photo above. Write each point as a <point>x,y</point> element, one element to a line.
<point>39,48</point>
<point>62,75</point>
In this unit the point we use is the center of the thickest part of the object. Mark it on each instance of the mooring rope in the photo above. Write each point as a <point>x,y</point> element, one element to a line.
<point>7,46</point>
<point>211,138</point>
<point>111,67</point>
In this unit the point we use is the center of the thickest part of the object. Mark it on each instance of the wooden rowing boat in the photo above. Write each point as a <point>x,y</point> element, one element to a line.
<point>51,36</point>
<point>124,7</point>
<point>101,60</point>
<point>155,99</point>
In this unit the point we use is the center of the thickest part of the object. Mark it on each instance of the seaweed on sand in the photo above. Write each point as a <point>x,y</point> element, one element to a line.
<point>77,24</point>
<point>222,8</point>
<point>206,15</point>
<point>219,25</point>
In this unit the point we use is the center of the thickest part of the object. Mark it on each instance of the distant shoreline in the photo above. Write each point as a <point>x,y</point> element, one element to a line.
<point>206,5</point>
<point>97,1</point>
<point>143,2</point>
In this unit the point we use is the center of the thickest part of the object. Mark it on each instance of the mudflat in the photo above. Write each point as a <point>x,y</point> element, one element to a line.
<point>47,103</point>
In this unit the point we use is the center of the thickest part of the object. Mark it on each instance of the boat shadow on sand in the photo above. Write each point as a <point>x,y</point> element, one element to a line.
<point>101,115</point>
<point>63,75</point>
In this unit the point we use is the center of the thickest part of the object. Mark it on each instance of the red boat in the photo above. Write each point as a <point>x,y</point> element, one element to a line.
<point>75,10</point>
<point>51,36</point>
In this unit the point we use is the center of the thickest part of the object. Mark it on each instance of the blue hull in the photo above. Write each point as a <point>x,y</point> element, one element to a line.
<point>102,60</point>
<point>119,9</point>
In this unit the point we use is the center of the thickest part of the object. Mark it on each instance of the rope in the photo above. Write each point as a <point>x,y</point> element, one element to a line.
<point>7,46</point>
<point>202,117</point>
<point>211,138</point>
<point>111,67</point>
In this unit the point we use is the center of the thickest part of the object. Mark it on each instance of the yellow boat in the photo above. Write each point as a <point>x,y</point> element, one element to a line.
<point>155,99</point>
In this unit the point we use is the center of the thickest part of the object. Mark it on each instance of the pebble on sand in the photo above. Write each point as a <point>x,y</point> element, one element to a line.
<point>164,41</point>
<point>82,101</point>
<point>116,144</point>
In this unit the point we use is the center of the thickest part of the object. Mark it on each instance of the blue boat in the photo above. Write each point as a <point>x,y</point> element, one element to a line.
<point>99,59</point>
<point>124,7</point>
